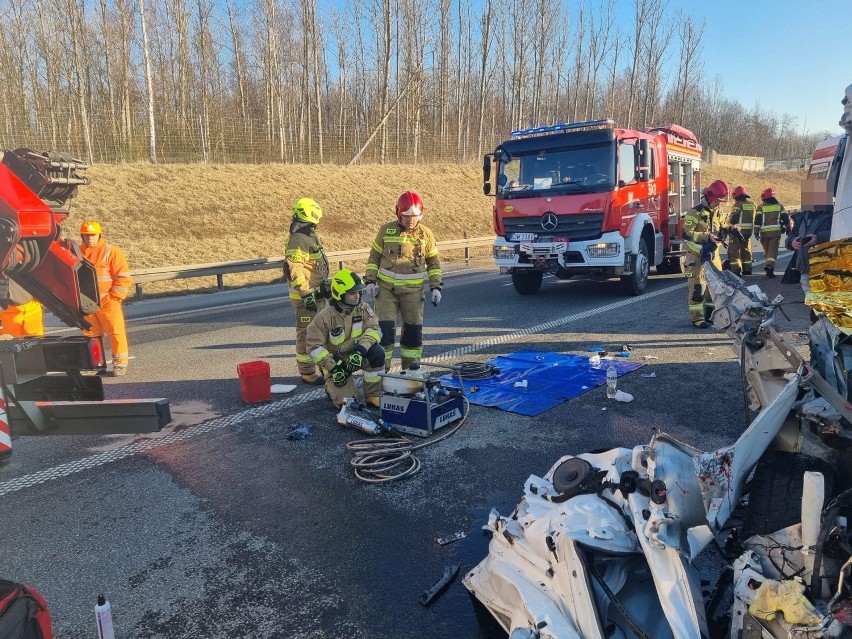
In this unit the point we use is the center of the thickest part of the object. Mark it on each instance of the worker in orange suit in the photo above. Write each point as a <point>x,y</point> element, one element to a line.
<point>24,316</point>
<point>113,286</point>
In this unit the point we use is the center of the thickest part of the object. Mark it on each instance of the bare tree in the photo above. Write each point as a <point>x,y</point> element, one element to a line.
<point>149,86</point>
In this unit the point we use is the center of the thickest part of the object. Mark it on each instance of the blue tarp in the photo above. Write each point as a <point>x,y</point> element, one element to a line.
<point>552,378</point>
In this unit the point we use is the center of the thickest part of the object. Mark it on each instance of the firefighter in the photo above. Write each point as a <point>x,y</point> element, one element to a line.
<point>701,229</point>
<point>740,227</point>
<point>114,283</point>
<point>770,221</point>
<point>403,256</point>
<point>306,272</point>
<point>344,338</point>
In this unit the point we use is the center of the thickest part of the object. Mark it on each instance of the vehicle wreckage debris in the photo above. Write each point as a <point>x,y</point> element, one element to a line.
<point>448,539</point>
<point>299,431</point>
<point>428,596</point>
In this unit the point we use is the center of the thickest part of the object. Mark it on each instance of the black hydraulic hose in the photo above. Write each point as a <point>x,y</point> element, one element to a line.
<point>476,370</point>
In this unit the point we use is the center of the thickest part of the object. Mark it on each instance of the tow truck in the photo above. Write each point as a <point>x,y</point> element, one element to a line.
<point>50,385</point>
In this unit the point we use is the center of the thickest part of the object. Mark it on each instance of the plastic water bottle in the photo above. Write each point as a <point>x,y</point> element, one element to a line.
<point>103,617</point>
<point>611,381</point>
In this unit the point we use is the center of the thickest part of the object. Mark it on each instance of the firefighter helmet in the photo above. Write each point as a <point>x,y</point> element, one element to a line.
<point>717,190</point>
<point>343,282</point>
<point>767,193</point>
<point>90,227</point>
<point>409,204</point>
<point>307,210</point>
<point>740,192</point>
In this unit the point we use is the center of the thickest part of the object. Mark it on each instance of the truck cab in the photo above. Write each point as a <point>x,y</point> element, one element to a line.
<point>588,198</point>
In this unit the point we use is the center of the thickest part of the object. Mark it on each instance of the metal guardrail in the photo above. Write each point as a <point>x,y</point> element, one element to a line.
<point>220,269</point>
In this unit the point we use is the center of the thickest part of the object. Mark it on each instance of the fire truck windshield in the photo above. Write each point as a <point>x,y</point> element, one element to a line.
<point>589,168</point>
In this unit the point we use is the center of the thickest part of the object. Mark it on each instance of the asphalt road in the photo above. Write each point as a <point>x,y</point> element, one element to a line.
<point>221,527</point>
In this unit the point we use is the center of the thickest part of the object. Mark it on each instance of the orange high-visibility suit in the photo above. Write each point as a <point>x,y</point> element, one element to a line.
<point>22,320</point>
<point>113,285</point>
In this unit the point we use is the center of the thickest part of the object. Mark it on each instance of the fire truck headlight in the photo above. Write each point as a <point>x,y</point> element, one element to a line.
<point>504,252</point>
<point>604,250</point>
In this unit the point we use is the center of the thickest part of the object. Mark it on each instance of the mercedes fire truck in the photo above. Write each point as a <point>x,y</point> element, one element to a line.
<point>591,199</point>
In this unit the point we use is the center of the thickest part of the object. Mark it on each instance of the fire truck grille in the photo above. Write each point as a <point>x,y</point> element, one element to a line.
<point>576,226</point>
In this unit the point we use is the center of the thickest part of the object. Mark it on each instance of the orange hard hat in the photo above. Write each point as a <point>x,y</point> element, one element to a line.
<point>90,227</point>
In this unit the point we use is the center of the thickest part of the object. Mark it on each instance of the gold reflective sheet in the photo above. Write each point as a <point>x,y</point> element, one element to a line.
<point>831,282</point>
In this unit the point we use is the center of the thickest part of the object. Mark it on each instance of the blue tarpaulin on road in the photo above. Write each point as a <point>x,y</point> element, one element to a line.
<point>552,378</point>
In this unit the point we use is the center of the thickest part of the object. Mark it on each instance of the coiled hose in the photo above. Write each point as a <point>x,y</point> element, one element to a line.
<point>376,461</point>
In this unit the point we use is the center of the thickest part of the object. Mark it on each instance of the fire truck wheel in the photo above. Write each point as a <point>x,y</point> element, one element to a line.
<point>635,283</point>
<point>670,265</point>
<point>775,494</point>
<point>527,283</point>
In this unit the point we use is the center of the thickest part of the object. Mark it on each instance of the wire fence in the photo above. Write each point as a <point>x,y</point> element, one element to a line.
<point>250,140</point>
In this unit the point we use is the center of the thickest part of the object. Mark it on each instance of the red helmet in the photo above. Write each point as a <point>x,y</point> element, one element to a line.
<point>767,193</point>
<point>717,190</point>
<point>740,192</point>
<point>409,204</point>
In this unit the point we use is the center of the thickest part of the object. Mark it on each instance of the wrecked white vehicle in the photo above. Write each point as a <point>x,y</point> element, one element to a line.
<point>604,545</point>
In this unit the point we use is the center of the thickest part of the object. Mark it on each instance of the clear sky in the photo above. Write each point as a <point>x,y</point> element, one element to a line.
<point>790,56</point>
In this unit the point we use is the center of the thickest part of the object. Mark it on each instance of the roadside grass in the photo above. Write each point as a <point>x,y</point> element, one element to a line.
<point>178,214</point>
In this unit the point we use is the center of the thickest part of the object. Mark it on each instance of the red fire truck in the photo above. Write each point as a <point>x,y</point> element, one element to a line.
<point>591,199</point>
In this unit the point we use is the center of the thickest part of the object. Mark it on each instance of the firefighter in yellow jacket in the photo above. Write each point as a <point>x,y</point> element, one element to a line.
<point>114,283</point>
<point>306,272</point>
<point>403,257</point>
<point>739,244</point>
<point>769,221</point>
<point>702,228</point>
<point>344,337</point>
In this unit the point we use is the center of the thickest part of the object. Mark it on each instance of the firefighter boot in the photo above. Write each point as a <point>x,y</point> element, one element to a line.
<point>119,369</point>
<point>407,362</point>
<point>770,271</point>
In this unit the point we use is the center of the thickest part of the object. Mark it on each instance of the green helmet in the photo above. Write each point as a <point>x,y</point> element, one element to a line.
<point>307,210</point>
<point>343,282</point>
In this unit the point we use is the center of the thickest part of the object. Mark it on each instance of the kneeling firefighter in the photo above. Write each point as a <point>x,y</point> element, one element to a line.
<point>344,338</point>
<point>702,227</point>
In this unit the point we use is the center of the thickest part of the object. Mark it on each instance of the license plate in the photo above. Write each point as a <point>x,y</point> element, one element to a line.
<point>523,237</point>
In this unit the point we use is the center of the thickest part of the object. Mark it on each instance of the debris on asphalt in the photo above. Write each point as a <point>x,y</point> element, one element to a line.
<point>443,541</point>
<point>621,396</point>
<point>648,358</point>
<point>428,596</point>
<point>282,388</point>
<point>648,375</point>
<point>299,431</point>
<point>622,354</point>
<point>626,347</point>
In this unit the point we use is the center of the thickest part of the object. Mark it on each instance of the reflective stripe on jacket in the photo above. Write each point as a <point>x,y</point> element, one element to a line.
<point>699,224</point>
<point>334,333</point>
<point>111,267</point>
<point>742,216</point>
<point>405,258</point>
<point>769,219</point>
<point>305,263</point>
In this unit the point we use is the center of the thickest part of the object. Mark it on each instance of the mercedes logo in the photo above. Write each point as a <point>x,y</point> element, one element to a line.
<point>549,222</point>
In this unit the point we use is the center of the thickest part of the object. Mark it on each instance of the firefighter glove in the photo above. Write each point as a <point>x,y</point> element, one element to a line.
<point>371,290</point>
<point>324,290</point>
<point>436,296</point>
<point>356,358</point>
<point>339,374</point>
<point>310,301</point>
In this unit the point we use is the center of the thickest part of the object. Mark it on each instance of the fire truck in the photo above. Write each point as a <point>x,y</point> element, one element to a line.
<point>591,199</point>
<point>50,385</point>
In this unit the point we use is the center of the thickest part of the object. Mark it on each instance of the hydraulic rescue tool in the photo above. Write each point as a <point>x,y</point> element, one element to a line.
<point>414,402</point>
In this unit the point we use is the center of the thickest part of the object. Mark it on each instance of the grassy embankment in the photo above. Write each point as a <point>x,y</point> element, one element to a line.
<point>169,215</point>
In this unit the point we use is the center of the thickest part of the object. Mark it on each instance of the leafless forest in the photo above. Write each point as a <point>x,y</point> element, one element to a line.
<point>354,81</point>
